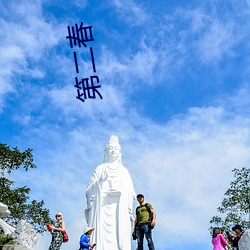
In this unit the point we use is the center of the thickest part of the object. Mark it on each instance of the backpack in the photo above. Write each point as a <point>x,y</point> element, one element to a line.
<point>149,212</point>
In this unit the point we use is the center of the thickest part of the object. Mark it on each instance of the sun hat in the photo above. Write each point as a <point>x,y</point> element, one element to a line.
<point>59,213</point>
<point>87,229</point>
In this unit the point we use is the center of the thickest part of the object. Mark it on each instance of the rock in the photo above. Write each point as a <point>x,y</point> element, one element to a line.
<point>244,242</point>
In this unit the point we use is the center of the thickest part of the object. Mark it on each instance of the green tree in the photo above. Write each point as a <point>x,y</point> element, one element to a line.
<point>235,207</point>
<point>17,199</point>
<point>6,239</point>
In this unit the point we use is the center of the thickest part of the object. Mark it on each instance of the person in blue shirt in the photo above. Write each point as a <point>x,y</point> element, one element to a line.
<point>84,240</point>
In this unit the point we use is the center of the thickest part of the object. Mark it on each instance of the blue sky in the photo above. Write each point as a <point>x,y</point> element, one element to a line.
<point>174,79</point>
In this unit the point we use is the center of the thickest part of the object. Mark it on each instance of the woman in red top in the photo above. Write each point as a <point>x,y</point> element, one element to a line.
<point>218,240</point>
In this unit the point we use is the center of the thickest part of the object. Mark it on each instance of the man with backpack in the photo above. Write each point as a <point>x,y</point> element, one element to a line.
<point>144,223</point>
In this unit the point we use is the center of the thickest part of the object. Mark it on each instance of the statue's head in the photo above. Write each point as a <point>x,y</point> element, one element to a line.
<point>113,150</point>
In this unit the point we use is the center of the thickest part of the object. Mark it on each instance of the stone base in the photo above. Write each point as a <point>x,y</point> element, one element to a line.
<point>13,247</point>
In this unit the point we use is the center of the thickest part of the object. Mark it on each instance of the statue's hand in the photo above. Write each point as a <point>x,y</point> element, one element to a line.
<point>132,217</point>
<point>90,202</point>
<point>104,176</point>
<point>89,205</point>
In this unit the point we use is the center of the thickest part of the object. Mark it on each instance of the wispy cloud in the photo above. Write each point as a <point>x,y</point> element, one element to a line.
<point>216,43</point>
<point>133,71</point>
<point>131,13</point>
<point>24,38</point>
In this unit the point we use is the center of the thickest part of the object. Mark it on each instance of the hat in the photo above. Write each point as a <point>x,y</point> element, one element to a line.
<point>237,227</point>
<point>59,213</point>
<point>87,229</point>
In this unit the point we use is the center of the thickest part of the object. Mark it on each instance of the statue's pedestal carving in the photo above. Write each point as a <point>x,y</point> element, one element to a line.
<point>13,247</point>
<point>24,236</point>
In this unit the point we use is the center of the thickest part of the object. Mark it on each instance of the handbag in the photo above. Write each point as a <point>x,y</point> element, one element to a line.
<point>134,235</point>
<point>49,227</point>
<point>65,236</point>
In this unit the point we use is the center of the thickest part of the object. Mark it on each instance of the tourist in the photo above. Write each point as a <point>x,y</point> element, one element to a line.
<point>239,231</point>
<point>85,239</point>
<point>218,240</point>
<point>144,223</point>
<point>56,231</point>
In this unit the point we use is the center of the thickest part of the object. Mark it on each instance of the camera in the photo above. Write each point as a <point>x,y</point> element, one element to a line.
<point>134,235</point>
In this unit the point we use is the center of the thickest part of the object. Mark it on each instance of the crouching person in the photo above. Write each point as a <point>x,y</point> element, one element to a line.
<point>85,239</point>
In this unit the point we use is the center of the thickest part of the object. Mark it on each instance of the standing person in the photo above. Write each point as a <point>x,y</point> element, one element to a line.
<point>85,239</point>
<point>231,240</point>
<point>142,226</point>
<point>239,231</point>
<point>110,198</point>
<point>218,240</point>
<point>56,231</point>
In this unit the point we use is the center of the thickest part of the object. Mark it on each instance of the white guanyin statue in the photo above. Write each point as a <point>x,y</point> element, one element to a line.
<point>110,198</point>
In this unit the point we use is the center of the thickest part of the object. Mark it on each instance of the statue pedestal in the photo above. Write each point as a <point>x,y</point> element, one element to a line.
<point>13,247</point>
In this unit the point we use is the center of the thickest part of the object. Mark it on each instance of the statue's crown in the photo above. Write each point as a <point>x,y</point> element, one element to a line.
<point>113,138</point>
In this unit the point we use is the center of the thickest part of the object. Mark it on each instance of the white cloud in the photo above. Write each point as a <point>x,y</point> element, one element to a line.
<point>131,72</point>
<point>200,33</point>
<point>23,38</point>
<point>79,3</point>
<point>143,64</point>
<point>110,66</point>
<point>65,100</point>
<point>198,20</point>
<point>114,77</point>
<point>217,42</point>
<point>239,102</point>
<point>131,12</point>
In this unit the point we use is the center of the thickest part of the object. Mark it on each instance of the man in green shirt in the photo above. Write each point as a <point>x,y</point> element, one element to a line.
<point>144,223</point>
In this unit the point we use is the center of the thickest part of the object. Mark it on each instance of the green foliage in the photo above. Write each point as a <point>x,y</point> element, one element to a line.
<point>235,206</point>
<point>17,199</point>
<point>6,240</point>
<point>11,159</point>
